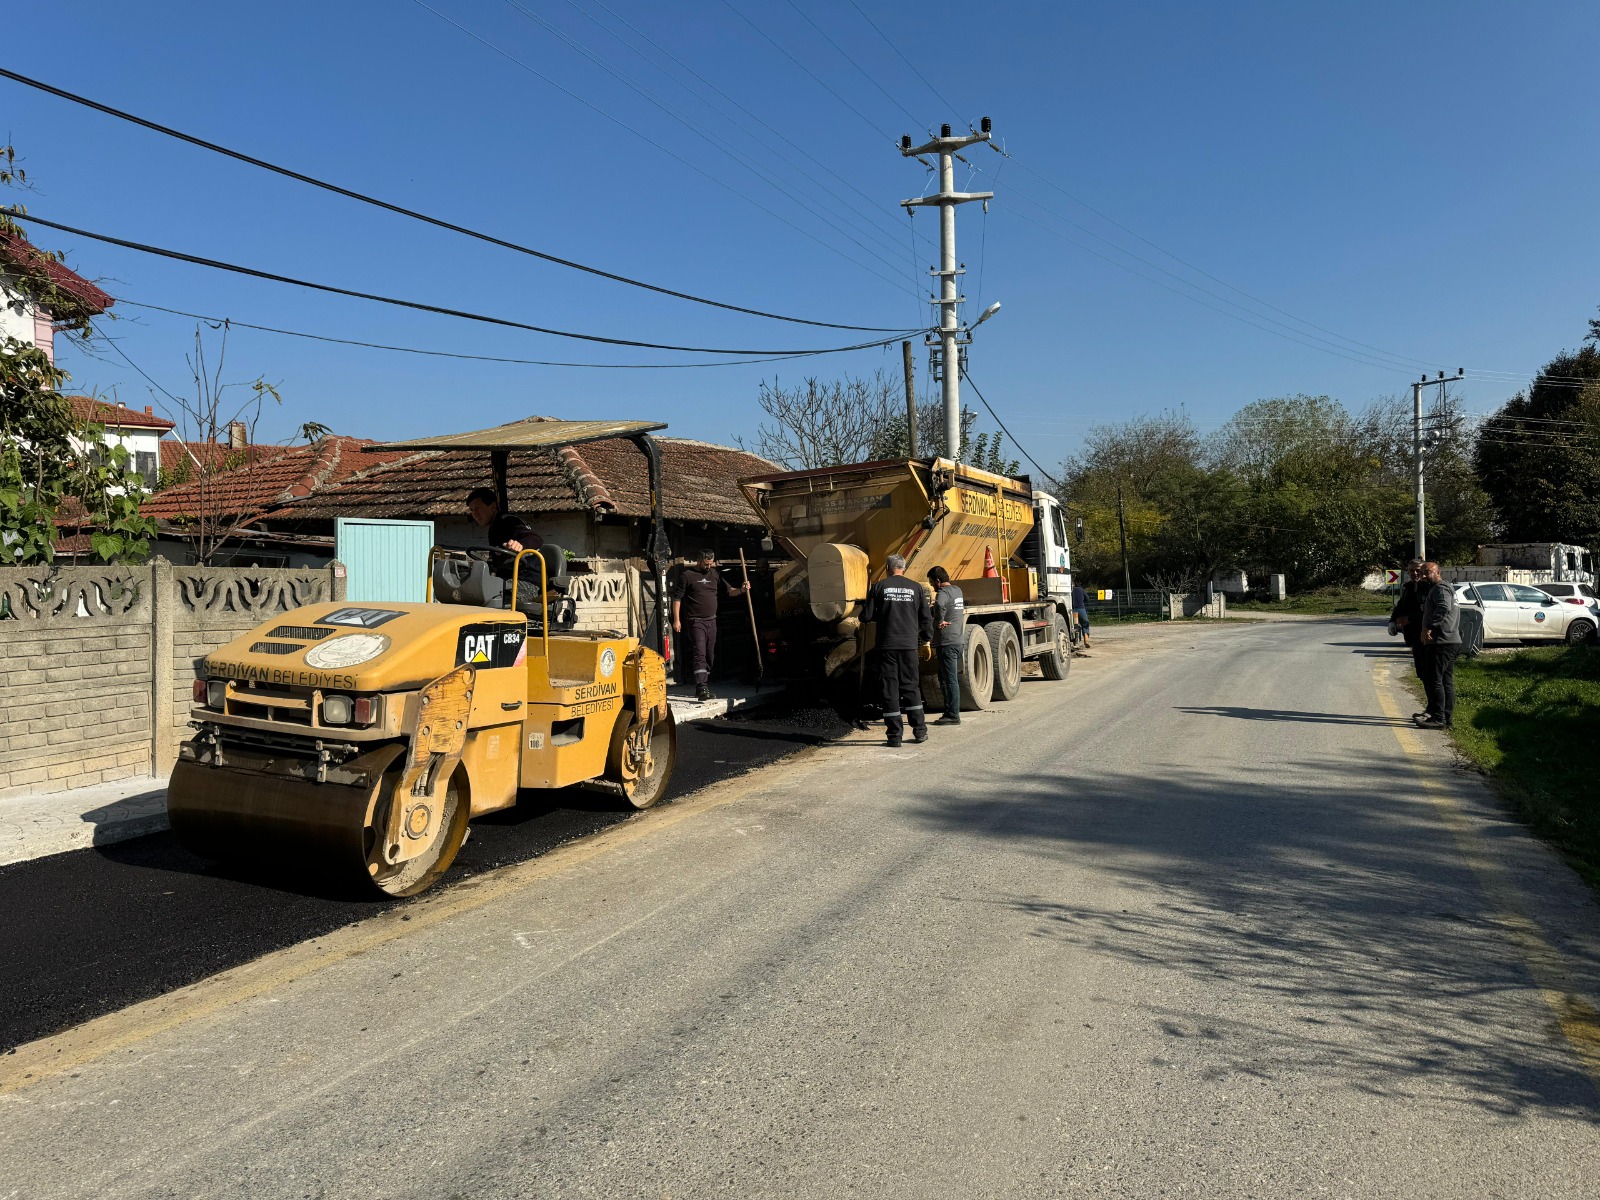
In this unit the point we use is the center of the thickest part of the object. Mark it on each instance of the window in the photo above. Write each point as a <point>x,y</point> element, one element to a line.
<point>144,464</point>
<point>1493,593</point>
<point>1523,594</point>
<point>1588,591</point>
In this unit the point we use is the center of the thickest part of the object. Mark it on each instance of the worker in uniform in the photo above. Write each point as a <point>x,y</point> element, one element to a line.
<point>905,622</point>
<point>1080,609</point>
<point>694,601</point>
<point>949,616</point>
<point>508,532</point>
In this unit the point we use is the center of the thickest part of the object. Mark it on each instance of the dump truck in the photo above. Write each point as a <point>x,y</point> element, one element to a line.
<point>356,740</point>
<point>1003,543</point>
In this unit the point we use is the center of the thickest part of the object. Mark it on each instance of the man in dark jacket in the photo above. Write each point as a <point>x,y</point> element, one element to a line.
<point>694,603</point>
<point>1441,639</point>
<point>900,610</point>
<point>949,614</point>
<point>1407,614</point>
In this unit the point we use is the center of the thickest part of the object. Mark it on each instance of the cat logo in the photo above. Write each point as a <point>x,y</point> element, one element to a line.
<point>492,644</point>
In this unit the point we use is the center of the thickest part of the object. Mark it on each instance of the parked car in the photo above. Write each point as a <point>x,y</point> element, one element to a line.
<point>1518,612</point>
<point>1572,593</point>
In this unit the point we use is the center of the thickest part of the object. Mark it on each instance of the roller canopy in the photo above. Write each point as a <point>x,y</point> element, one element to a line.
<point>532,434</point>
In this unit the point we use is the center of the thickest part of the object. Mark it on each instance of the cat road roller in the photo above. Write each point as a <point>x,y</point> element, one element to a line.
<point>354,741</point>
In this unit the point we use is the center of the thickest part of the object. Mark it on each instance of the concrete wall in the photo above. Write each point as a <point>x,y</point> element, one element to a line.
<point>1197,605</point>
<point>96,662</point>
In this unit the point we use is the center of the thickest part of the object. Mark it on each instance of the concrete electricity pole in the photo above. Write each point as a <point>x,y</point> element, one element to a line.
<point>948,356</point>
<point>1421,541</point>
<point>911,401</point>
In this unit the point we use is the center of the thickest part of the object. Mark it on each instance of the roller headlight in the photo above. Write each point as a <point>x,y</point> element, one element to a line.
<point>216,693</point>
<point>337,710</point>
<point>348,651</point>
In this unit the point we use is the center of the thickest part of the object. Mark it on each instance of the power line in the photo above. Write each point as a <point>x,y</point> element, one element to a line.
<point>872,210</point>
<point>219,322</point>
<point>937,95</point>
<point>418,306</point>
<point>618,121</point>
<point>1048,478</point>
<point>870,123</point>
<point>717,144</point>
<point>401,210</point>
<point>846,56</point>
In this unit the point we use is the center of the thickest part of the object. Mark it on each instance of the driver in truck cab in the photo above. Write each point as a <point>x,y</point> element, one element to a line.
<point>507,532</point>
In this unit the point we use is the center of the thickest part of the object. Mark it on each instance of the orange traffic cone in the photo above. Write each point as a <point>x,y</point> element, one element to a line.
<point>989,571</point>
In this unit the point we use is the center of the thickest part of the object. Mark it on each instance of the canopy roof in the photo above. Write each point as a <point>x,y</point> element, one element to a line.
<point>534,433</point>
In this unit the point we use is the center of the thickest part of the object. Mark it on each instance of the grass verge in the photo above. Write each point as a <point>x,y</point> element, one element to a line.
<point>1531,720</point>
<point>1341,600</point>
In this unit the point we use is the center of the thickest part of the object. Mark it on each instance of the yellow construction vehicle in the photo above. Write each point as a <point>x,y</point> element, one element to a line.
<point>358,739</point>
<point>1003,543</point>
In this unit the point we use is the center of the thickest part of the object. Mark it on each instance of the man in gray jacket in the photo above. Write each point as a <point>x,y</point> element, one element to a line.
<point>1441,641</point>
<point>949,633</point>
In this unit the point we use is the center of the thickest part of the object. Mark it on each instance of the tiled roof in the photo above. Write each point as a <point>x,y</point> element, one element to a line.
<point>699,483</point>
<point>271,476</point>
<point>212,455</point>
<point>23,257</point>
<point>87,408</point>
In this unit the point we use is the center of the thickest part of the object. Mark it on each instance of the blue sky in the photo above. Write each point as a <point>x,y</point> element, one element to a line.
<point>1419,178</point>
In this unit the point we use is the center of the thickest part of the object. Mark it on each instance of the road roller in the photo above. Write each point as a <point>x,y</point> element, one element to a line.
<point>353,741</point>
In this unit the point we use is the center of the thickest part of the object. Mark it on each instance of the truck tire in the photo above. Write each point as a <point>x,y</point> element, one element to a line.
<point>1006,652</point>
<point>1055,662</point>
<point>977,670</point>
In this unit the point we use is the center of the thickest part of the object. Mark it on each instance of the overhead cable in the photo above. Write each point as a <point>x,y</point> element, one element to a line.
<point>646,138</point>
<point>419,306</point>
<point>1021,449</point>
<point>915,70</point>
<point>232,322</point>
<point>401,210</point>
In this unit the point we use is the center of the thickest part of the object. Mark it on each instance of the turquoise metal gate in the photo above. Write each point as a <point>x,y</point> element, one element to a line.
<point>386,560</point>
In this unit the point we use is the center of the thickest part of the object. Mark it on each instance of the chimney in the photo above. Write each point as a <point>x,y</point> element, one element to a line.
<point>148,411</point>
<point>237,435</point>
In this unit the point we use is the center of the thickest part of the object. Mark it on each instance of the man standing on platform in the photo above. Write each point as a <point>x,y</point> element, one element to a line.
<point>694,603</point>
<point>905,622</point>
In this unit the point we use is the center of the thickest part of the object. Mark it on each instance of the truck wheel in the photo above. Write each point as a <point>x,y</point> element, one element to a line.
<point>977,670</point>
<point>1006,651</point>
<point>1057,661</point>
<point>1580,632</point>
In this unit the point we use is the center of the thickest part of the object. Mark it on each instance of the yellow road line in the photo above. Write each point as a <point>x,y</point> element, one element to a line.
<point>71,1049</point>
<point>1575,1016</point>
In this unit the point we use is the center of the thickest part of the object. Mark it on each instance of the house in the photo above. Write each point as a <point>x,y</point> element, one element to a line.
<point>39,295</point>
<point>228,510</point>
<point>139,433</point>
<point>591,500</point>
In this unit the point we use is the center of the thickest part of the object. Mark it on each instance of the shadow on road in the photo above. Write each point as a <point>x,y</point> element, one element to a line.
<point>1281,714</point>
<point>1335,931</point>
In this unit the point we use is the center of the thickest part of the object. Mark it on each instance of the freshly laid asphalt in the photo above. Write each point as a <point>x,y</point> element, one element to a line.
<point>95,930</point>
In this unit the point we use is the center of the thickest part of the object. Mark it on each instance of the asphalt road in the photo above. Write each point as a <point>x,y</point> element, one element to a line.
<point>1206,919</point>
<point>95,930</point>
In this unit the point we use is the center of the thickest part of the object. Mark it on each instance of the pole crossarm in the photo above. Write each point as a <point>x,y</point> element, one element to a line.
<point>945,145</point>
<point>946,198</point>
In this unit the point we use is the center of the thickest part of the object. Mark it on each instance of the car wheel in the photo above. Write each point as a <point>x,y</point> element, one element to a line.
<point>1580,633</point>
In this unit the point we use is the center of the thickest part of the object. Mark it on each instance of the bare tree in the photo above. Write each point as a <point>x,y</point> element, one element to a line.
<point>826,423</point>
<point>218,428</point>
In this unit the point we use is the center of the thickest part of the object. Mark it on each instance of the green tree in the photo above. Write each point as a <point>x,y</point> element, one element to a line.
<point>51,464</point>
<point>1538,456</point>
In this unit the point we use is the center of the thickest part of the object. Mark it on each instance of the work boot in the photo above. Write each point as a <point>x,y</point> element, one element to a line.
<point>1431,723</point>
<point>893,743</point>
<point>703,693</point>
<point>919,735</point>
<point>948,719</point>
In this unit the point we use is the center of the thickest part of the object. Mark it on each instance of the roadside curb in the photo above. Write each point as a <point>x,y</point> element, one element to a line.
<point>40,825</point>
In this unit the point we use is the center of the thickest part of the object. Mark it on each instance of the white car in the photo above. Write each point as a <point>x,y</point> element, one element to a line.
<point>1517,612</point>
<point>1571,593</point>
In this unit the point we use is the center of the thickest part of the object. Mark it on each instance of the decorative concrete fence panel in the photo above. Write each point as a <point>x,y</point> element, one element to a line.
<point>96,663</point>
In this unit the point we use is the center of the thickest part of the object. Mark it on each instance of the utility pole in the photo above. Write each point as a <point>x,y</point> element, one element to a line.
<point>947,358</point>
<point>911,401</point>
<point>1417,440</point>
<point>1122,529</point>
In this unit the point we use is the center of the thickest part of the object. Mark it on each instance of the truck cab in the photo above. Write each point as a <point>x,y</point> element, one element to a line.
<point>1047,552</point>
